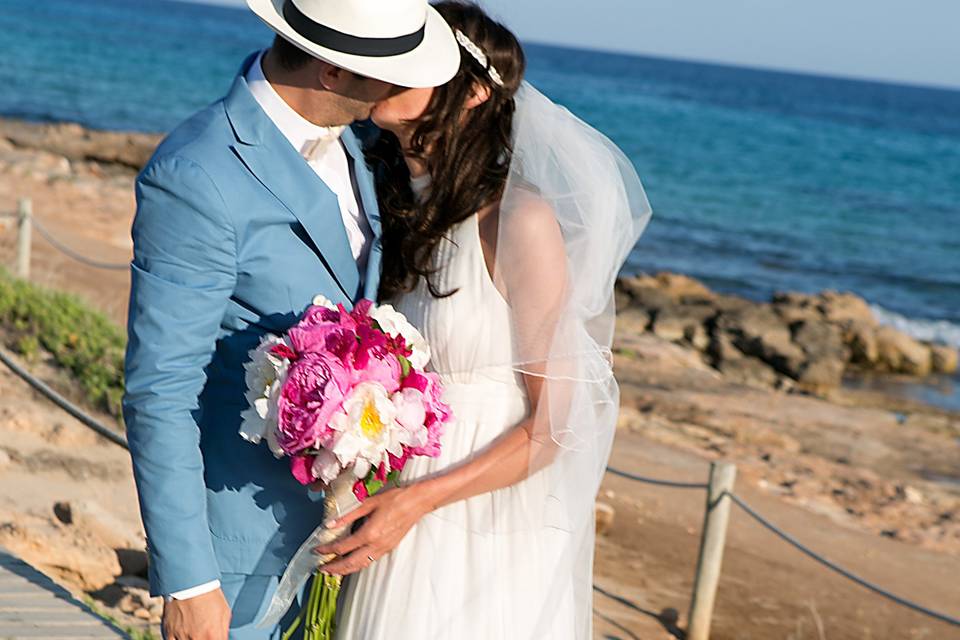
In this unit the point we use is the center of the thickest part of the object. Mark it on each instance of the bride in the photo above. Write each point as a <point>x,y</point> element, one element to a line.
<point>506,220</point>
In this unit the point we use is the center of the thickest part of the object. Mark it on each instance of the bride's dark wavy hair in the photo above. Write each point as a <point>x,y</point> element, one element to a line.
<point>467,154</point>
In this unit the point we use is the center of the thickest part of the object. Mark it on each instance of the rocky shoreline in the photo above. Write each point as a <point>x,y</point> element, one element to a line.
<point>120,151</point>
<point>807,342</point>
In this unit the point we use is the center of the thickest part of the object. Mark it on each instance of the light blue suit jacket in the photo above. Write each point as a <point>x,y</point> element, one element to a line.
<point>234,236</point>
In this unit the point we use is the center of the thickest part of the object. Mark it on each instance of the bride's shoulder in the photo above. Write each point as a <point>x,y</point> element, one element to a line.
<point>527,214</point>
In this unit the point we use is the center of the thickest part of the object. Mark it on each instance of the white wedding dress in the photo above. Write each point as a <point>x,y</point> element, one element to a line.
<point>517,563</point>
<point>456,575</point>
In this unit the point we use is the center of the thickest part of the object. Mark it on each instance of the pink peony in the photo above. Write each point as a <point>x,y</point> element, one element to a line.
<point>361,311</point>
<point>373,361</point>
<point>437,411</point>
<point>301,466</point>
<point>314,389</point>
<point>411,409</point>
<point>315,315</point>
<point>324,330</point>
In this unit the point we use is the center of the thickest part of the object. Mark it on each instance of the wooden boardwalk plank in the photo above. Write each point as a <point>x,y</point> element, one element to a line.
<point>34,607</point>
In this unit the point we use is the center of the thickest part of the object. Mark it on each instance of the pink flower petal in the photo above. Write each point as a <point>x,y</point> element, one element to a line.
<point>302,468</point>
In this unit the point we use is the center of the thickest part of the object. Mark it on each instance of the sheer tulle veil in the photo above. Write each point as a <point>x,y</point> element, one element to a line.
<point>572,210</point>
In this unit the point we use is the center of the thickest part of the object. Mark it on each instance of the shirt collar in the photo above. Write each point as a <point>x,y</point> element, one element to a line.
<point>301,133</point>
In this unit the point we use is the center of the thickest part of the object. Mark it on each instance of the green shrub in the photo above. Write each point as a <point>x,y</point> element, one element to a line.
<point>82,341</point>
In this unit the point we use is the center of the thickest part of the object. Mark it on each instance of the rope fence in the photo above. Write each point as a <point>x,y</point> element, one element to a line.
<point>672,484</point>
<point>70,253</point>
<point>792,541</point>
<point>75,411</point>
<point>846,573</point>
<point>26,222</point>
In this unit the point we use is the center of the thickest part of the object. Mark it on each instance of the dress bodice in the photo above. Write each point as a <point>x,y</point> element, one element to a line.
<point>469,332</point>
<point>483,567</point>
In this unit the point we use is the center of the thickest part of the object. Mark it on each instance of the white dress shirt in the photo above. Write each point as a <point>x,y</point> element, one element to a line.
<point>323,151</point>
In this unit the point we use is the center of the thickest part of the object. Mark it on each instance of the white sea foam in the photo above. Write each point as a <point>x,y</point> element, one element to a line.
<point>941,331</point>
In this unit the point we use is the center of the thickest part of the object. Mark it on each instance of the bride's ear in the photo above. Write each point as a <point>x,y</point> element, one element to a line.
<point>479,95</point>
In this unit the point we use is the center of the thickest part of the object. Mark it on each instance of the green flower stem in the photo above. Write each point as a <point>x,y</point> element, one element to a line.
<point>293,627</point>
<point>319,622</point>
<point>321,612</point>
<point>324,611</point>
<point>308,610</point>
<point>318,608</point>
<point>311,608</point>
<point>312,632</point>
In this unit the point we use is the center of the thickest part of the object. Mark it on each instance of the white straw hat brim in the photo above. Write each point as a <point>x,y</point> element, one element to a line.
<point>432,63</point>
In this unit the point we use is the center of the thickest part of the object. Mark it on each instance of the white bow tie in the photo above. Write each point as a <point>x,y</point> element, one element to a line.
<point>316,147</point>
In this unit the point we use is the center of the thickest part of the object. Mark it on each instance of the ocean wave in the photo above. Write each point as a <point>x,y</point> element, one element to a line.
<point>941,331</point>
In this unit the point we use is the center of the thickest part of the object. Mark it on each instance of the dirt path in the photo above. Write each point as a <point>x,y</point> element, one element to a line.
<point>68,504</point>
<point>768,590</point>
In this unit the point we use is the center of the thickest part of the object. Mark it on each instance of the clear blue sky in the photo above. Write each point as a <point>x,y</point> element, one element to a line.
<point>916,42</point>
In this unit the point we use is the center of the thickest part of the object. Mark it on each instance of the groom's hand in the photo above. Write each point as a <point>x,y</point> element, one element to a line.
<point>203,617</point>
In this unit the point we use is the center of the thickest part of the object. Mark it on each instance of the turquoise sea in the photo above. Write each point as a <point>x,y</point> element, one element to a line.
<point>760,181</point>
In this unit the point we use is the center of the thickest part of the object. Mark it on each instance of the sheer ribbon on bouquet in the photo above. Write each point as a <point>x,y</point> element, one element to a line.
<point>338,501</point>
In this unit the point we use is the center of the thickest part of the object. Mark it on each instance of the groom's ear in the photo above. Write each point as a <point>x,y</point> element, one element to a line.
<point>331,77</point>
<point>478,95</point>
<point>350,85</point>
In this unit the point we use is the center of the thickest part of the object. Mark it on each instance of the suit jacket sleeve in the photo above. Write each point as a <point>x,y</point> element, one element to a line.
<point>183,274</point>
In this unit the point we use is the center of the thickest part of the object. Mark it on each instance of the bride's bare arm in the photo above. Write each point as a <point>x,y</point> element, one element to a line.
<point>531,274</point>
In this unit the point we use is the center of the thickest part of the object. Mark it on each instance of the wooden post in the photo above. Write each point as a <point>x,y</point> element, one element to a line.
<point>722,476</point>
<point>24,233</point>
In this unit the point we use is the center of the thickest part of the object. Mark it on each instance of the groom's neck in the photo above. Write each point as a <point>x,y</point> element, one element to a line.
<point>301,90</point>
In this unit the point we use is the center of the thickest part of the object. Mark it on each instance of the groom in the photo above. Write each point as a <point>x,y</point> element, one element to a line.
<point>247,211</point>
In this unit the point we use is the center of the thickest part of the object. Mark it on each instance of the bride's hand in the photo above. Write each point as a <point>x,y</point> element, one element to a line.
<point>390,515</point>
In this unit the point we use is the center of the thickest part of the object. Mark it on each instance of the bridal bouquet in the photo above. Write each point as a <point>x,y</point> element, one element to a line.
<point>345,397</point>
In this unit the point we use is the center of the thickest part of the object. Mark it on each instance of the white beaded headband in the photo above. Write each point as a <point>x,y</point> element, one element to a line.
<point>479,56</point>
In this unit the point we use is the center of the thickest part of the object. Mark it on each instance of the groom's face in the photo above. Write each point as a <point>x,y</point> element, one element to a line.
<point>356,94</point>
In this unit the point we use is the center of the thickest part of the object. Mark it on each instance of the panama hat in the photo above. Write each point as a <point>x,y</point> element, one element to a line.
<point>403,42</point>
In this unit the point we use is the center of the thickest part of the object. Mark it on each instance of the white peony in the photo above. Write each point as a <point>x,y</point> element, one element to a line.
<point>265,374</point>
<point>368,429</point>
<point>396,324</point>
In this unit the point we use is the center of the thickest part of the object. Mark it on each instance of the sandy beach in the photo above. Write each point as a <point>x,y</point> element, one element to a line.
<point>868,479</point>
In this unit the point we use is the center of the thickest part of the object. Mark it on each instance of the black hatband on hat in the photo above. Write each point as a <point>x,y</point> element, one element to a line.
<point>344,42</point>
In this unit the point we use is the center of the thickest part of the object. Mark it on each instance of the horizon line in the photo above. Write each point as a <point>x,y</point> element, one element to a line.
<point>896,82</point>
<point>790,71</point>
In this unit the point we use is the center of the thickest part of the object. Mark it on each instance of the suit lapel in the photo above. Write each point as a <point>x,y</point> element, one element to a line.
<point>363,180</point>
<point>282,171</point>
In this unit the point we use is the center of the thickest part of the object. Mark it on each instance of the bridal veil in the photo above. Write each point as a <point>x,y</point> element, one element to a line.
<point>572,210</point>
